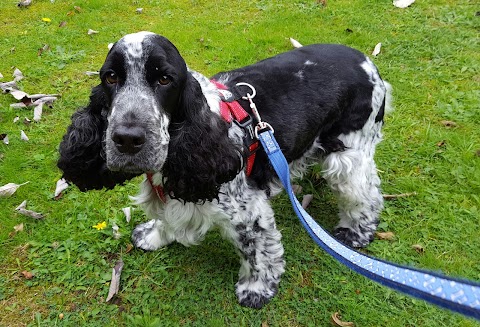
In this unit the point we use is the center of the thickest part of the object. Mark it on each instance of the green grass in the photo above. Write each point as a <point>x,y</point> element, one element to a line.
<point>430,55</point>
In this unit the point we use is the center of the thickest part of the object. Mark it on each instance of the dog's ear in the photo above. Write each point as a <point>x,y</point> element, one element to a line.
<point>201,157</point>
<point>82,157</point>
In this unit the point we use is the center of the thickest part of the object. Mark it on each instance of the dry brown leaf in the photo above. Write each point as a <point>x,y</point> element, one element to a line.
<point>128,213</point>
<point>264,324</point>
<point>307,198</point>
<point>115,282</point>
<point>441,143</point>
<point>448,123</point>
<point>385,236</point>
<point>24,3</point>
<point>129,248</point>
<point>4,138</point>
<point>297,189</point>
<point>62,24</point>
<point>402,3</point>
<point>77,9</point>
<point>10,188</point>
<point>41,50</point>
<point>61,186</point>
<point>23,136</point>
<point>338,322</point>
<point>18,228</point>
<point>376,50</point>
<point>37,112</point>
<point>27,274</point>
<point>419,248</point>
<point>295,43</point>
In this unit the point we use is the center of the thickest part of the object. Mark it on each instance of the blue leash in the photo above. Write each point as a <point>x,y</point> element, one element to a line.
<point>461,296</point>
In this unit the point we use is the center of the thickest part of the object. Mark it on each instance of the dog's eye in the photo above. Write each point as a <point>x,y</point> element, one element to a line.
<point>111,78</point>
<point>164,80</point>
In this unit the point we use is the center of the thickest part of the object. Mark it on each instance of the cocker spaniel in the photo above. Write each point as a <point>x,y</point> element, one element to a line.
<point>151,114</point>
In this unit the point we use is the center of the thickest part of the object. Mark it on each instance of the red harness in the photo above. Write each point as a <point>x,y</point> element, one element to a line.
<point>231,111</point>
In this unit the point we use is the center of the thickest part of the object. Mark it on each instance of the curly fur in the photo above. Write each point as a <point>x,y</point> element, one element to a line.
<point>82,156</point>
<point>151,114</point>
<point>196,167</point>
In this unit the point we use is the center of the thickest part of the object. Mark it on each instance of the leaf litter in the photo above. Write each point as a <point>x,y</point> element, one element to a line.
<point>9,189</point>
<point>115,282</point>
<point>21,209</point>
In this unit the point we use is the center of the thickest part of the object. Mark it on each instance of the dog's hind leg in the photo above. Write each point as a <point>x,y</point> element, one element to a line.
<point>352,175</point>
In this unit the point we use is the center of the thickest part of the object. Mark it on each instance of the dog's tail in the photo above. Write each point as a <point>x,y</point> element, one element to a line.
<point>388,97</point>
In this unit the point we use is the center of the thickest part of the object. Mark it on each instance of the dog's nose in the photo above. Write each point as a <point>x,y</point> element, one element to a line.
<point>129,140</point>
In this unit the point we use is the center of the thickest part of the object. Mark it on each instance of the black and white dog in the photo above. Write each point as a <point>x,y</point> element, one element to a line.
<point>152,114</point>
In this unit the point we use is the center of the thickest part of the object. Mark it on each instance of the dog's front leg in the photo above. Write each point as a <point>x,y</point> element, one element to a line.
<point>253,232</point>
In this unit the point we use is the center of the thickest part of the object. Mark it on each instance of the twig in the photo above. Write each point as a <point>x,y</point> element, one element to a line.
<point>396,196</point>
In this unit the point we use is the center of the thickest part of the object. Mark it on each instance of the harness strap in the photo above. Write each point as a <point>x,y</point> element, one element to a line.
<point>231,110</point>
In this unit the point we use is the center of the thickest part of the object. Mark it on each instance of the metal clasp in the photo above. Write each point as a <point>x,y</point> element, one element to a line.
<point>261,124</point>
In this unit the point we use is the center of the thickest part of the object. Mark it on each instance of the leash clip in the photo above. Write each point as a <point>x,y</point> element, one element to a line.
<point>261,125</point>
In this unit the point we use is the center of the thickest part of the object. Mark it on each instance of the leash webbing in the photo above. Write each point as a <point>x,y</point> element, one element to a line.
<point>461,296</point>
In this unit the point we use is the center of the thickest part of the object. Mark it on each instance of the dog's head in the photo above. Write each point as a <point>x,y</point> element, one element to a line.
<point>153,117</point>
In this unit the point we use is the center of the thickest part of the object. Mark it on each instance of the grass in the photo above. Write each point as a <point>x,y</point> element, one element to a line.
<point>429,54</point>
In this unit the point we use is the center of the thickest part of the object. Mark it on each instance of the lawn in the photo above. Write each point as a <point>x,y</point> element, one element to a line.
<point>57,270</point>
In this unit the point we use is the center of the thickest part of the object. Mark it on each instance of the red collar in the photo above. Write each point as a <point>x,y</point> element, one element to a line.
<point>157,188</point>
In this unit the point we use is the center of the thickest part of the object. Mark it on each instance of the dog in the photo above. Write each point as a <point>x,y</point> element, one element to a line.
<point>153,115</point>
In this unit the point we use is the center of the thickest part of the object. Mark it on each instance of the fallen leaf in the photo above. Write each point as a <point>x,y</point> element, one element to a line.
<point>46,20</point>
<point>90,31</point>
<point>8,86</point>
<point>295,43</point>
<point>376,50</point>
<point>477,153</point>
<point>26,121</point>
<point>18,105</point>
<point>30,213</point>
<point>37,112</point>
<point>448,123</point>
<point>18,228</point>
<point>385,236</point>
<point>16,119</point>
<point>307,198</point>
<point>115,231</point>
<point>402,3</point>
<point>441,143</point>
<point>129,248</point>
<point>90,73</point>
<point>17,75</point>
<point>24,3</point>
<point>297,189</point>
<point>1,75</point>
<point>419,248</point>
<point>128,213</point>
<point>23,136</point>
<point>62,24</point>
<point>336,320</point>
<point>139,10</point>
<point>22,205</point>
<point>322,2</point>
<point>10,188</point>
<point>27,274</point>
<point>396,196</point>
<point>77,9</point>
<point>61,186</point>
<point>4,138</point>
<point>60,316</point>
<point>43,49</point>
<point>17,94</point>
<point>115,282</point>
<point>264,324</point>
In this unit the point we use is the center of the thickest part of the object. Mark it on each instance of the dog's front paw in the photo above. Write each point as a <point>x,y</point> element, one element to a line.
<point>255,295</point>
<point>354,238</point>
<point>150,236</point>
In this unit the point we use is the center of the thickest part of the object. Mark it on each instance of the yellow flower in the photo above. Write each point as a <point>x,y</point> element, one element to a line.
<point>101,225</point>
<point>46,20</point>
